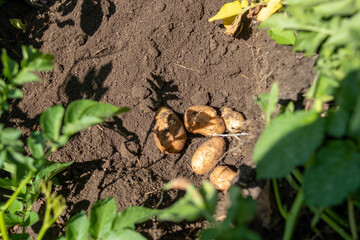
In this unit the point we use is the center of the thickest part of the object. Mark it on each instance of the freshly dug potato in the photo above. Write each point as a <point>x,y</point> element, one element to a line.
<point>169,132</point>
<point>221,177</point>
<point>234,121</point>
<point>207,155</point>
<point>203,120</point>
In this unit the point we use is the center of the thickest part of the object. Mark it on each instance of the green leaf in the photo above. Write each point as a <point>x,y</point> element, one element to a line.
<point>22,236</point>
<point>195,204</point>
<point>25,76</point>
<point>354,124</point>
<point>10,136</point>
<point>18,24</point>
<point>10,67</point>
<point>334,175</point>
<point>309,42</point>
<point>347,93</point>
<point>323,89</point>
<point>35,60</point>
<point>281,36</point>
<point>36,144</point>
<point>15,93</point>
<point>83,113</point>
<point>268,101</point>
<point>6,183</point>
<point>51,121</point>
<point>78,227</point>
<point>333,8</point>
<point>15,206</point>
<point>279,20</point>
<point>124,234</point>
<point>128,217</point>
<point>12,219</point>
<point>46,175</point>
<point>289,141</point>
<point>30,218</point>
<point>336,122</point>
<point>102,215</point>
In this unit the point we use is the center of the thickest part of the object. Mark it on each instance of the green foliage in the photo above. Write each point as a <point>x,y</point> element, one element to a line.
<point>324,143</point>
<point>106,223</point>
<point>289,141</point>
<point>31,172</point>
<point>281,36</point>
<point>334,174</point>
<point>329,28</point>
<point>18,24</point>
<point>268,102</point>
<point>241,212</point>
<point>13,75</point>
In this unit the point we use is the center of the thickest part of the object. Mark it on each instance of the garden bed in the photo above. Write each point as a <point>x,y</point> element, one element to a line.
<point>144,55</point>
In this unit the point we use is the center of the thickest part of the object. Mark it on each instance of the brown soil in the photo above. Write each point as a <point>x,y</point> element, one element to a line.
<point>144,54</point>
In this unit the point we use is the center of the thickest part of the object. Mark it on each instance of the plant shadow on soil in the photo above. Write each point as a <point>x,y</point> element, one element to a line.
<point>144,54</point>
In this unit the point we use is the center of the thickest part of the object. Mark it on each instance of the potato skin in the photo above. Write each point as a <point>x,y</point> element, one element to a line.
<point>207,155</point>
<point>169,132</point>
<point>221,177</point>
<point>203,120</point>
<point>234,121</point>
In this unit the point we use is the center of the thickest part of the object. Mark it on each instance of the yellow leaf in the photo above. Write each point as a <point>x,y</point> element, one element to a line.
<point>228,21</point>
<point>270,9</point>
<point>17,23</point>
<point>244,3</point>
<point>227,10</point>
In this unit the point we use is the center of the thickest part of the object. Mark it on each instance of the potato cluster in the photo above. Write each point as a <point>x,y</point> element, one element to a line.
<point>170,137</point>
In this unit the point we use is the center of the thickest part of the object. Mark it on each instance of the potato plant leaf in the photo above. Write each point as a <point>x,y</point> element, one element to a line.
<point>81,114</point>
<point>132,215</point>
<point>10,67</point>
<point>25,76</point>
<point>18,24</point>
<point>124,234</point>
<point>36,144</point>
<point>102,215</point>
<point>281,36</point>
<point>289,141</point>
<point>30,218</point>
<point>20,236</point>
<point>78,227</point>
<point>51,121</point>
<point>334,175</point>
<point>268,102</point>
<point>34,60</point>
<point>337,122</point>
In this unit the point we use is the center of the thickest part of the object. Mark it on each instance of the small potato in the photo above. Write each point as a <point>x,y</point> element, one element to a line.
<point>207,155</point>
<point>234,121</point>
<point>169,132</point>
<point>221,177</point>
<point>203,120</point>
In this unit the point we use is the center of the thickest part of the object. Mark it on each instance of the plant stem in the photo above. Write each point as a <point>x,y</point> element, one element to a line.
<point>334,226</point>
<point>278,199</point>
<point>293,216</point>
<point>45,225</point>
<point>352,219</point>
<point>8,203</point>
<point>3,230</point>
<point>336,217</point>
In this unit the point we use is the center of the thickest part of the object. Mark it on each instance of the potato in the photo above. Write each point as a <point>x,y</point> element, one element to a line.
<point>221,177</point>
<point>169,132</point>
<point>207,155</point>
<point>234,121</point>
<point>203,120</point>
